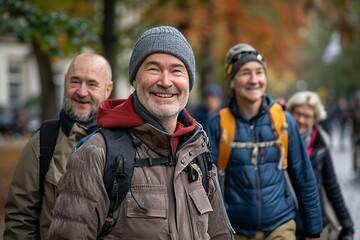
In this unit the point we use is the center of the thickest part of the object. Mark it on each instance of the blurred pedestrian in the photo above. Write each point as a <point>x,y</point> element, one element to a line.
<point>307,110</point>
<point>354,116</point>
<point>257,195</point>
<point>212,102</point>
<point>28,211</point>
<point>337,119</point>
<point>170,151</point>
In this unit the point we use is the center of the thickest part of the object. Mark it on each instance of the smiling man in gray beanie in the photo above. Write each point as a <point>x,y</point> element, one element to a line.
<point>162,40</point>
<point>173,191</point>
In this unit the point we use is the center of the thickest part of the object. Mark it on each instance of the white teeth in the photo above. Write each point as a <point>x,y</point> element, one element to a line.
<point>164,95</point>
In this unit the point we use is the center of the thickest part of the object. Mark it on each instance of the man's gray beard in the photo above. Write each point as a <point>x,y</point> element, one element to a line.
<point>85,120</point>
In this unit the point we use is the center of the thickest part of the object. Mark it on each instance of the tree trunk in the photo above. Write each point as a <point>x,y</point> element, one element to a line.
<point>206,68</point>
<point>109,39</point>
<point>48,99</point>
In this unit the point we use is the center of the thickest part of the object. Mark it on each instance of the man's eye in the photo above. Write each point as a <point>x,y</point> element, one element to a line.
<point>153,69</point>
<point>177,71</point>
<point>74,81</point>
<point>93,84</point>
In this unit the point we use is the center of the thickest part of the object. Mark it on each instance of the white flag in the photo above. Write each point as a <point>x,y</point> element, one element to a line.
<point>333,49</point>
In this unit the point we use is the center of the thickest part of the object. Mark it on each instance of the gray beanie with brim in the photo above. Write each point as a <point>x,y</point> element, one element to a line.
<point>163,39</point>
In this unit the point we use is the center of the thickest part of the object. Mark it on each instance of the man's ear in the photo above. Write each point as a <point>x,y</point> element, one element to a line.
<point>109,89</point>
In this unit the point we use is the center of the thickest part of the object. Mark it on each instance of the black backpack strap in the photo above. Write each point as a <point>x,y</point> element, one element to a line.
<point>205,163</point>
<point>149,162</point>
<point>48,135</point>
<point>119,168</point>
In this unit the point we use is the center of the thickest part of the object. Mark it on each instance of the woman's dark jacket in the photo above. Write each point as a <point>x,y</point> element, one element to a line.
<point>322,164</point>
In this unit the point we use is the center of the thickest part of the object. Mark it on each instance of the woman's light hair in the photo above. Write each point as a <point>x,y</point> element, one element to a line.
<point>307,98</point>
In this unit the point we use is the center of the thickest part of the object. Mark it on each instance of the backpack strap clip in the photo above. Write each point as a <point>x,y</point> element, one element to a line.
<point>149,162</point>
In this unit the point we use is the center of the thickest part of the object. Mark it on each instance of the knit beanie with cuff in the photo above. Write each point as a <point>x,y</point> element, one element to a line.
<point>163,39</point>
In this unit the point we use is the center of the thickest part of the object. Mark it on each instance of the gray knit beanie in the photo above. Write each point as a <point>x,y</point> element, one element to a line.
<point>163,39</point>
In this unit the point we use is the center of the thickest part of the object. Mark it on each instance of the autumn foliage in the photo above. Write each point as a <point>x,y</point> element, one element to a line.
<point>212,27</point>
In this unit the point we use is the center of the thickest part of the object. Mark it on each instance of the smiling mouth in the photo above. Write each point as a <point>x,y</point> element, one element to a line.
<point>83,102</point>
<point>164,95</point>
<point>252,88</point>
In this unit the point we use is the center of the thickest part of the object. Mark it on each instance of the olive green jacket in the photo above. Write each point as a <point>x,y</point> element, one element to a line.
<point>26,215</point>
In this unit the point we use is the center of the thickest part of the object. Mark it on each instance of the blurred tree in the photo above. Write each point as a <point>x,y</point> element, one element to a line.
<point>118,19</point>
<point>276,28</point>
<point>109,37</point>
<point>340,15</point>
<point>338,77</point>
<point>51,34</point>
<point>213,26</point>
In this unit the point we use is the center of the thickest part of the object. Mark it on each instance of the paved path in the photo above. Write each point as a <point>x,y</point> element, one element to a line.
<point>349,181</point>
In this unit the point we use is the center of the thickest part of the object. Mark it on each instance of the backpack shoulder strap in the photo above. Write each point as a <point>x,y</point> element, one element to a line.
<point>49,130</point>
<point>280,128</point>
<point>119,168</point>
<point>227,131</point>
<point>205,163</point>
<point>278,121</point>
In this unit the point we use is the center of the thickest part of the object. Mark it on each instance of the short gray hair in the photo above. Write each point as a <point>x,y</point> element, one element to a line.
<point>307,98</point>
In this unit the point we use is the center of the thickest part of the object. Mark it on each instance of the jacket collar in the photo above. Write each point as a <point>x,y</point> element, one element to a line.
<point>67,124</point>
<point>265,103</point>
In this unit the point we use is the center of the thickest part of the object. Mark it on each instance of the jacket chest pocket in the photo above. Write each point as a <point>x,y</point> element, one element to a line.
<point>199,210</point>
<point>147,201</point>
<point>200,200</point>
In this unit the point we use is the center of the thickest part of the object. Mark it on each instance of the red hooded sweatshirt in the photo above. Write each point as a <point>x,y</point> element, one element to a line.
<point>120,113</point>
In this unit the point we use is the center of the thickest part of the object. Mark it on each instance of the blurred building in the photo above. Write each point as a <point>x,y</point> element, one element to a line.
<point>19,79</point>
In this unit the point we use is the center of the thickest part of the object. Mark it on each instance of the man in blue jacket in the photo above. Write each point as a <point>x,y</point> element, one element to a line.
<point>257,194</point>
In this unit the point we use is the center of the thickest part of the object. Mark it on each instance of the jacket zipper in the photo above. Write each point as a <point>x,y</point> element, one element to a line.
<point>254,162</point>
<point>191,138</point>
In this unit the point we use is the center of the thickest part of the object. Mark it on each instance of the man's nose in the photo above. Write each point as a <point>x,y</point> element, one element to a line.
<point>165,80</point>
<point>83,90</point>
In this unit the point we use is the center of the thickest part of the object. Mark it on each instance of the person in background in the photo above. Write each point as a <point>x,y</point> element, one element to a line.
<point>212,102</point>
<point>174,202</point>
<point>28,212</point>
<point>307,110</point>
<point>256,191</point>
<point>354,117</point>
<point>336,121</point>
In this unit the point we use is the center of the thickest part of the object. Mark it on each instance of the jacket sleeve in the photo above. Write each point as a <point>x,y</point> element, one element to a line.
<point>23,202</point>
<point>81,207</point>
<point>303,180</point>
<point>333,191</point>
<point>212,129</point>
<point>219,224</point>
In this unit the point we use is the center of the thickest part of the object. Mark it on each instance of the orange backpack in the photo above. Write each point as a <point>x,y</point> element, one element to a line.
<point>280,129</point>
<point>228,126</point>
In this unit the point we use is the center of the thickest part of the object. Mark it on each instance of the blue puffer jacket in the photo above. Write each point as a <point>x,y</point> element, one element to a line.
<point>257,197</point>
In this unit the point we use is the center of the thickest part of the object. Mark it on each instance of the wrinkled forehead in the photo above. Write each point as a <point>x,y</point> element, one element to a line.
<point>91,67</point>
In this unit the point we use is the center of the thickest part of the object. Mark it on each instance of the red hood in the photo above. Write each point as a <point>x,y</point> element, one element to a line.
<point>118,113</point>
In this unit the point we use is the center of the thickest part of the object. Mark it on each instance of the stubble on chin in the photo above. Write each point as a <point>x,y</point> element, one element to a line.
<point>82,119</point>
